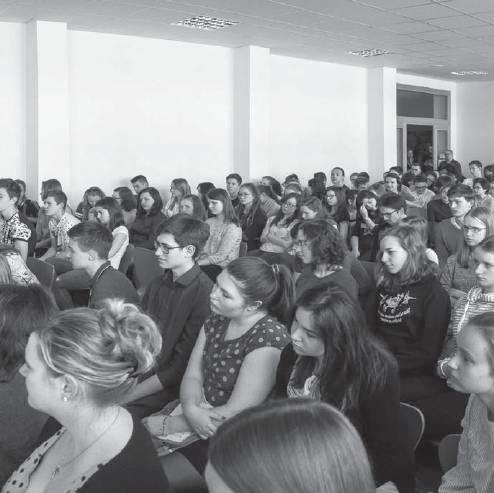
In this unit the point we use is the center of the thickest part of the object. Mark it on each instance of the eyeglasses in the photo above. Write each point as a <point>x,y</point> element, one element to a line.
<point>165,248</point>
<point>473,229</point>
<point>289,205</point>
<point>301,243</point>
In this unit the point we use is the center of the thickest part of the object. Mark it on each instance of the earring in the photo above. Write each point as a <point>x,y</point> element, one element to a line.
<point>65,398</point>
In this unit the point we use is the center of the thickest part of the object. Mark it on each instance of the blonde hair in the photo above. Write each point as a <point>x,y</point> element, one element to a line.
<point>104,350</point>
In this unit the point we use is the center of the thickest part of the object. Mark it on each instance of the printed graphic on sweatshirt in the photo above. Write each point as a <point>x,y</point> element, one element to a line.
<point>393,309</point>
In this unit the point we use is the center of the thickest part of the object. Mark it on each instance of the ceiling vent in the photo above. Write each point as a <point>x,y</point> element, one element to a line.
<point>368,53</point>
<point>205,23</point>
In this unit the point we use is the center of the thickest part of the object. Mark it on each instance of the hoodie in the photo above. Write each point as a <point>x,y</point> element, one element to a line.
<point>412,322</point>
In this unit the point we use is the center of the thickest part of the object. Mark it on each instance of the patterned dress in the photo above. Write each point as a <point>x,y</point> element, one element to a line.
<point>222,359</point>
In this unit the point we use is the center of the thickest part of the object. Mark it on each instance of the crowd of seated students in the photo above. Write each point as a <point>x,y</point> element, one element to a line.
<point>358,296</point>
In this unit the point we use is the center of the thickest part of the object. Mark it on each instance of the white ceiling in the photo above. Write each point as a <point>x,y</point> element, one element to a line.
<point>426,37</point>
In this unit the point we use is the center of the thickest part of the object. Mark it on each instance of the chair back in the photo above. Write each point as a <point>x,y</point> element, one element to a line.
<point>413,423</point>
<point>146,267</point>
<point>242,252</point>
<point>44,271</point>
<point>448,452</point>
<point>127,259</point>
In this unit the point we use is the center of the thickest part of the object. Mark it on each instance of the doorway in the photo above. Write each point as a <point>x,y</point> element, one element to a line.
<point>419,144</point>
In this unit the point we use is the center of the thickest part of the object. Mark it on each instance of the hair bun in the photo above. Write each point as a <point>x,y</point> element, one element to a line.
<point>133,337</point>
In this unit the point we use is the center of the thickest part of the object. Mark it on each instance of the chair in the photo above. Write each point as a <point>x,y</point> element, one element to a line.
<point>370,268</point>
<point>182,476</point>
<point>242,251</point>
<point>42,270</point>
<point>146,267</point>
<point>448,452</point>
<point>413,423</point>
<point>127,259</point>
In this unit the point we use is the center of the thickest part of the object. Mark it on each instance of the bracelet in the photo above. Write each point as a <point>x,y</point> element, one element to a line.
<point>164,426</point>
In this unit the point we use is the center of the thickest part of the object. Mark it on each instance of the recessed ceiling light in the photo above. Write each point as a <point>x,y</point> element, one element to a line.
<point>205,23</point>
<point>470,72</point>
<point>368,53</point>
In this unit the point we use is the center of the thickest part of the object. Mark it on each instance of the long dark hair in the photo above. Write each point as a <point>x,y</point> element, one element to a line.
<point>247,218</point>
<point>114,210</point>
<point>23,309</point>
<point>197,206</point>
<point>296,213</point>
<point>341,207</point>
<point>355,364</point>
<point>228,210</point>
<point>128,201</point>
<point>203,190</point>
<point>272,285</point>
<point>156,207</point>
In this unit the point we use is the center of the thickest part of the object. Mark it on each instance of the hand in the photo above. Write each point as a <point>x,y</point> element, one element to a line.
<point>204,421</point>
<point>356,253</point>
<point>364,212</point>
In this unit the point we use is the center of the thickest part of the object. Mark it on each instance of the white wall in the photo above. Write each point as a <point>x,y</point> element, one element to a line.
<point>318,117</point>
<point>12,100</point>
<point>146,106</point>
<point>475,101</point>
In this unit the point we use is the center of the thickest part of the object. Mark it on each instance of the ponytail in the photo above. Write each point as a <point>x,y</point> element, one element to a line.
<point>258,281</point>
<point>281,305</point>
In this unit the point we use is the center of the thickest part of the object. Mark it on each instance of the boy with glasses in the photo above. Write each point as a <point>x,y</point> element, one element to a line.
<point>392,208</point>
<point>178,300</point>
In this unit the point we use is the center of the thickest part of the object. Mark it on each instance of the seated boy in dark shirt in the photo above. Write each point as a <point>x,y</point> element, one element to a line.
<point>89,245</point>
<point>178,301</point>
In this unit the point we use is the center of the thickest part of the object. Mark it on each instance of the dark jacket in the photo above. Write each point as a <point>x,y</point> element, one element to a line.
<point>144,230</point>
<point>378,422</point>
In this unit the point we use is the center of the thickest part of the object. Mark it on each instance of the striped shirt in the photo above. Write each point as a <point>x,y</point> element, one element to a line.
<point>473,303</point>
<point>474,470</point>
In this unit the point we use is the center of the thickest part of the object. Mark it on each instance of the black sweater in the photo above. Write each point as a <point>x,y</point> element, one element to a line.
<point>413,323</point>
<point>377,420</point>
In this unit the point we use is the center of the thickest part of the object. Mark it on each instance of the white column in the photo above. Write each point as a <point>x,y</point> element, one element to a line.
<point>381,95</point>
<point>47,104</point>
<point>251,111</point>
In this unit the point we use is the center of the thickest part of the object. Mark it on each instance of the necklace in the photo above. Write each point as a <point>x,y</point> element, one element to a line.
<point>60,466</point>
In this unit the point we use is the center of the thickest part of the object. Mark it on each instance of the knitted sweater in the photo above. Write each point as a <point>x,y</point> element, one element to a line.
<point>473,303</point>
<point>474,470</point>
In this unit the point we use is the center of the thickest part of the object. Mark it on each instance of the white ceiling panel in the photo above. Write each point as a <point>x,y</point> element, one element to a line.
<point>459,21</point>
<point>421,34</point>
<point>426,12</point>
<point>472,6</point>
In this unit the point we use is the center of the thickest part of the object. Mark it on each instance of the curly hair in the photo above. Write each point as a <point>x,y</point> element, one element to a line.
<point>325,242</point>
<point>416,266</point>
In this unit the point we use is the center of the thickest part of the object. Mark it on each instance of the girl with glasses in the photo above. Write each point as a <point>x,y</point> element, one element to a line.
<point>251,216</point>
<point>338,210</point>
<point>458,274</point>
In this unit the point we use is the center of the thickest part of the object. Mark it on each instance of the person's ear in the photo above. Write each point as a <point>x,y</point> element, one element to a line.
<point>68,387</point>
<point>253,307</point>
<point>92,255</point>
<point>189,251</point>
